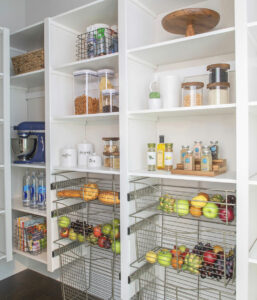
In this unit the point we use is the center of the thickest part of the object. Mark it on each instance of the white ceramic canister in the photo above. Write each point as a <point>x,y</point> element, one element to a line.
<point>84,151</point>
<point>69,157</point>
<point>170,89</point>
<point>94,161</point>
<point>154,100</point>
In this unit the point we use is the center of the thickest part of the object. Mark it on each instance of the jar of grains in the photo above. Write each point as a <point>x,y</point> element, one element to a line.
<point>218,93</point>
<point>192,93</point>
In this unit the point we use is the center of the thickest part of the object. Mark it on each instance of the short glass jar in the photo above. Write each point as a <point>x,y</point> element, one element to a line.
<point>206,161</point>
<point>111,145</point>
<point>192,94</point>
<point>189,162</point>
<point>110,100</point>
<point>112,161</point>
<point>151,157</point>
<point>218,93</point>
<point>218,72</point>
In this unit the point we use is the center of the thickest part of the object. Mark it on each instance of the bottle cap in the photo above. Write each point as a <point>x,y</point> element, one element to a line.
<point>161,139</point>
<point>154,95</point>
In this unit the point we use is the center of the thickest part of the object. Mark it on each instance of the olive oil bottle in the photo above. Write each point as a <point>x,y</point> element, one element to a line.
<point>160,165</point>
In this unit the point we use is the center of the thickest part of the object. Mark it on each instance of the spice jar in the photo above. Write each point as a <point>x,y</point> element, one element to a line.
<point>183,153</point>
<point>214,148</point>
<point>111,145</point>
<point>110,100</point>
<point>206,161</point>
<point>192,93</point>
<point>106,81</point>
<point>86,92</point>
<point>151,157</point>
<point>189,161</point>
<point>197,150</point>
<point>218,72</point>
<point>218,93</point>
<point>168,157</point>
<point>112,160</point>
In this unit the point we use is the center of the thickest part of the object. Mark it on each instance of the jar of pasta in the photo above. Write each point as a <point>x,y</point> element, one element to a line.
<point>192,93</point>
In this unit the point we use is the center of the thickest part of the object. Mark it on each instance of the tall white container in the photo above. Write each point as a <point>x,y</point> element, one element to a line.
<point>170,90</point>
<point>84,151</point>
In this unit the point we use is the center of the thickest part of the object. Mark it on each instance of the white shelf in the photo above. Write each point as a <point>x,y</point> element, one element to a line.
<point>102,116</point>
<point>2,256</point>
<point>228,177</point>
<point>31,166</point>
<point>253,179</point>
<point>109,61</point>
<point>187,111</point>
<point>1,167</point>
<point>29,38</point>
<point>17,205</point>
<point>253,254</point>
<point>42,257</point>
<point>29,80</point>
<point>213,43</point>
<point>2,212</point>
<point>101,170</point>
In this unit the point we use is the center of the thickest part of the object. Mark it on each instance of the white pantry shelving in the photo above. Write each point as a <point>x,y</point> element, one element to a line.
<point>29,166</point>
<point>18,206</point>
<point>101,170</point>
<point>28,80</point>
<point>93,117</point>
<point>42,257</point>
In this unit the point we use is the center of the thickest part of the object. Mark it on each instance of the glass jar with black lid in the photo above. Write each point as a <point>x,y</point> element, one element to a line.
<point>218,72</point>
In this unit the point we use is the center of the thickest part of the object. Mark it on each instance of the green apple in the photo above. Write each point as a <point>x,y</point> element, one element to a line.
<point>164,257</point>
<point>116,222</point>
<point>63,222</point>
<point>81,238</point>
<point>116,247</point>
<point>106,229</point>
<point>115,233</point>
<point>211,210</point>
<point>72,235</point>
<point>182,248</point>
<point>181,207</point>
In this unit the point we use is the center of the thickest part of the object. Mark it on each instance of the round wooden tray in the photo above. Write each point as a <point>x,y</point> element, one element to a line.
<point>191,21</point>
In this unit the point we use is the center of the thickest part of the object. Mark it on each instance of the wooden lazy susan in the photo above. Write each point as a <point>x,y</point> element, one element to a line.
<point>191,21</point>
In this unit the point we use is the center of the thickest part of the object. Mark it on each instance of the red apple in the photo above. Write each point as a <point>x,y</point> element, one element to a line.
<point>101,241</point>
<point>226,214</point>
<point>209,257</point>
<point>64,232</point>
<point>97,231</point>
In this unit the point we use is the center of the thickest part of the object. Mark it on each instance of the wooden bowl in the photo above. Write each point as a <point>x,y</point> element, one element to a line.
<point>191,21</point>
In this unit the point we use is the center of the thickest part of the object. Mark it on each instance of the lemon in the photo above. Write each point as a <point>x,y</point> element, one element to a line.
<point>151,257</point>
<point>199,201</point>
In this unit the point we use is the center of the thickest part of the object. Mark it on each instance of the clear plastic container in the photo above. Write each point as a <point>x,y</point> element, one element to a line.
<point>110,100</point>
<point>86,92</point>
<point>192,93</point>
<point>111,145</point>
<point>106,81</point>
<point>218,93</point>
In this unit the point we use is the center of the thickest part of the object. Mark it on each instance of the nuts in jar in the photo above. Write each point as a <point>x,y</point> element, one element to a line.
<point>111,145</point>
<point>192,93</point>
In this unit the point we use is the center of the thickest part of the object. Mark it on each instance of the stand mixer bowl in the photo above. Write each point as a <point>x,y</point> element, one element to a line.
<point>24,147</point>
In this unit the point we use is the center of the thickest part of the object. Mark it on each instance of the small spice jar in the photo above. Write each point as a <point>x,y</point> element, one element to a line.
<point>183,153</point>
<point>168,157</point>
<point>151,157</point>
<point>197,149</point>
<point>218,73</point>
<point>189,161</point>
<point>111,145</point>
<point>192,93</point>
<point>214,147</point>
<point>218,93</point>
<point>110,100</point>
<point>206,161</point>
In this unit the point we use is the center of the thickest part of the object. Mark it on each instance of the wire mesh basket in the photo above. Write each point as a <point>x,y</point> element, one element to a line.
<point>98,42</point>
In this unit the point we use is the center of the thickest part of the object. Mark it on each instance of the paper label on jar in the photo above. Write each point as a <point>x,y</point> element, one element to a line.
<point>168,158</point>
<point>151,158</point>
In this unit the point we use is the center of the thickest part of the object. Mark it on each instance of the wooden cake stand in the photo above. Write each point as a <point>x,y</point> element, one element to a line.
<point>191,21</point>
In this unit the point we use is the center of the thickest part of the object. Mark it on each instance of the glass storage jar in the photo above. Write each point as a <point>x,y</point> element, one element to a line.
<point>110,100</point>
<point>192,93</point>
<point>112,160</point>
<point>85,88</point>
<point>189,162</point>
<point>218,72</point>
<point>106,81</point>
<point>111,145</point>
<point>206,161</point>
<point>183,153</point>
<point>218,93</point>
<point>151,157</point>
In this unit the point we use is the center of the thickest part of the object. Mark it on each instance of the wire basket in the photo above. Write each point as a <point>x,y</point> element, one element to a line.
<point>95,43</point>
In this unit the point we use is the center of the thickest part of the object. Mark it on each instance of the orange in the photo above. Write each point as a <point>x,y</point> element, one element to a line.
<point>195,211</point>
<point>177,262</point>
<point>205,195</point>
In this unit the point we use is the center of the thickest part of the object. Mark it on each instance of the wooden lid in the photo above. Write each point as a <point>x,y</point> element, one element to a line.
<point>107,139</point>
<point>221,84</point>
<point>221,66</point>
<point>197,84</point>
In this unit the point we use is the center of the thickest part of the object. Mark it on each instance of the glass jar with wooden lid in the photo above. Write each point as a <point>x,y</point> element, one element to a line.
<point>111,145</point>
<point>218,72</point>
<point>218,93</point>
<point>192,93</point>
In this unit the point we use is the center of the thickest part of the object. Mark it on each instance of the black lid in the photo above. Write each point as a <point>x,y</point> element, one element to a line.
<point>161,137</point>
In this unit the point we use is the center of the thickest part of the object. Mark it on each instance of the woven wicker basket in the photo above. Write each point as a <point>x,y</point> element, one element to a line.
<point>28,62</point>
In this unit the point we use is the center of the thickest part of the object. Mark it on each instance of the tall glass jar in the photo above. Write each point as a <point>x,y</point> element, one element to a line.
<point>197,149</point>
<point>151,157</point>
<point>189,162</point>
<point>168,157</point>
<point>106,81</point>
<point>183,153</point>
<point>214,147</point>
<point>206,161</point>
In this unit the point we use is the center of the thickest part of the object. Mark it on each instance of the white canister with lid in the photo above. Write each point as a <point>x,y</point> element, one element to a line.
<point>94,161</point>
<point>85,149</point>
<point>68,157</point>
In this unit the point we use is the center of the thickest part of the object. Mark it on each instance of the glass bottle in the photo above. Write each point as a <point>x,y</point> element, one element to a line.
<point>197,150</point>
<point>189,162</point>
<point>168,157</point>
<point>26,189</point>
<point>183,153</point>
<point>160,153</point>
<point>33,190</point>
<point>214,147</point>
<point>151,157</point>
<point>206,161</point>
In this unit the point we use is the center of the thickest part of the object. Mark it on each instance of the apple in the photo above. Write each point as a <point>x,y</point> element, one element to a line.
<point>164,257</point>
<point>97,231</point>
<point>81,238</point>
<point>209,257</point>
<point>181,207</point>
<point>73,235</point>
<point>107,244</point>
<point>106,229</point>
<point>116,247</point>
<point>63,222</point>
<point>217,198</point>
<point>211,210</point>
<point>64,232</point>
<point>151,257</point>
<point>115,233</point>
<point>182,248</point>
<point>226,214</point>
<point>101,241</point>
<point>116,222</point>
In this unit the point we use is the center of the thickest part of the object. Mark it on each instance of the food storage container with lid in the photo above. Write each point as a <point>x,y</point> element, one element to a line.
<point>218,72</point>
<point>110,100</point>
<point>94,161</point>
<point>112,160</point>
<point>85,149</point>
<point>68,157</point>
<point>206,160</point>
<point>192,93</point>
<point>218,93</point>
<point>115,41</point>
<point>106,81</point>
<point>189,162</point>
<point>86,92</point>
<point>111,145</point>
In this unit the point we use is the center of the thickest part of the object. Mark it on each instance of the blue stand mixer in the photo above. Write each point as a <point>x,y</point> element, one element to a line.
<point>29,146</point>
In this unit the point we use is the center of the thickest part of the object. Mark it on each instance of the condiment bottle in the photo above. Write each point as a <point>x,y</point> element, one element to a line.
<point>214,149</point>
<point>189,161</point>
<point>206,161</point>
<point>183,153</point>
<point>160,153</point>
<point>151,157</point>
<point>197,150</point>
<point>168,157</point>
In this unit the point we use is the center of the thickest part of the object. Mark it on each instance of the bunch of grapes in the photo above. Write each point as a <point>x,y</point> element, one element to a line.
<point>200,248</point>
<point>230,265</point>
<point>80,229</point>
